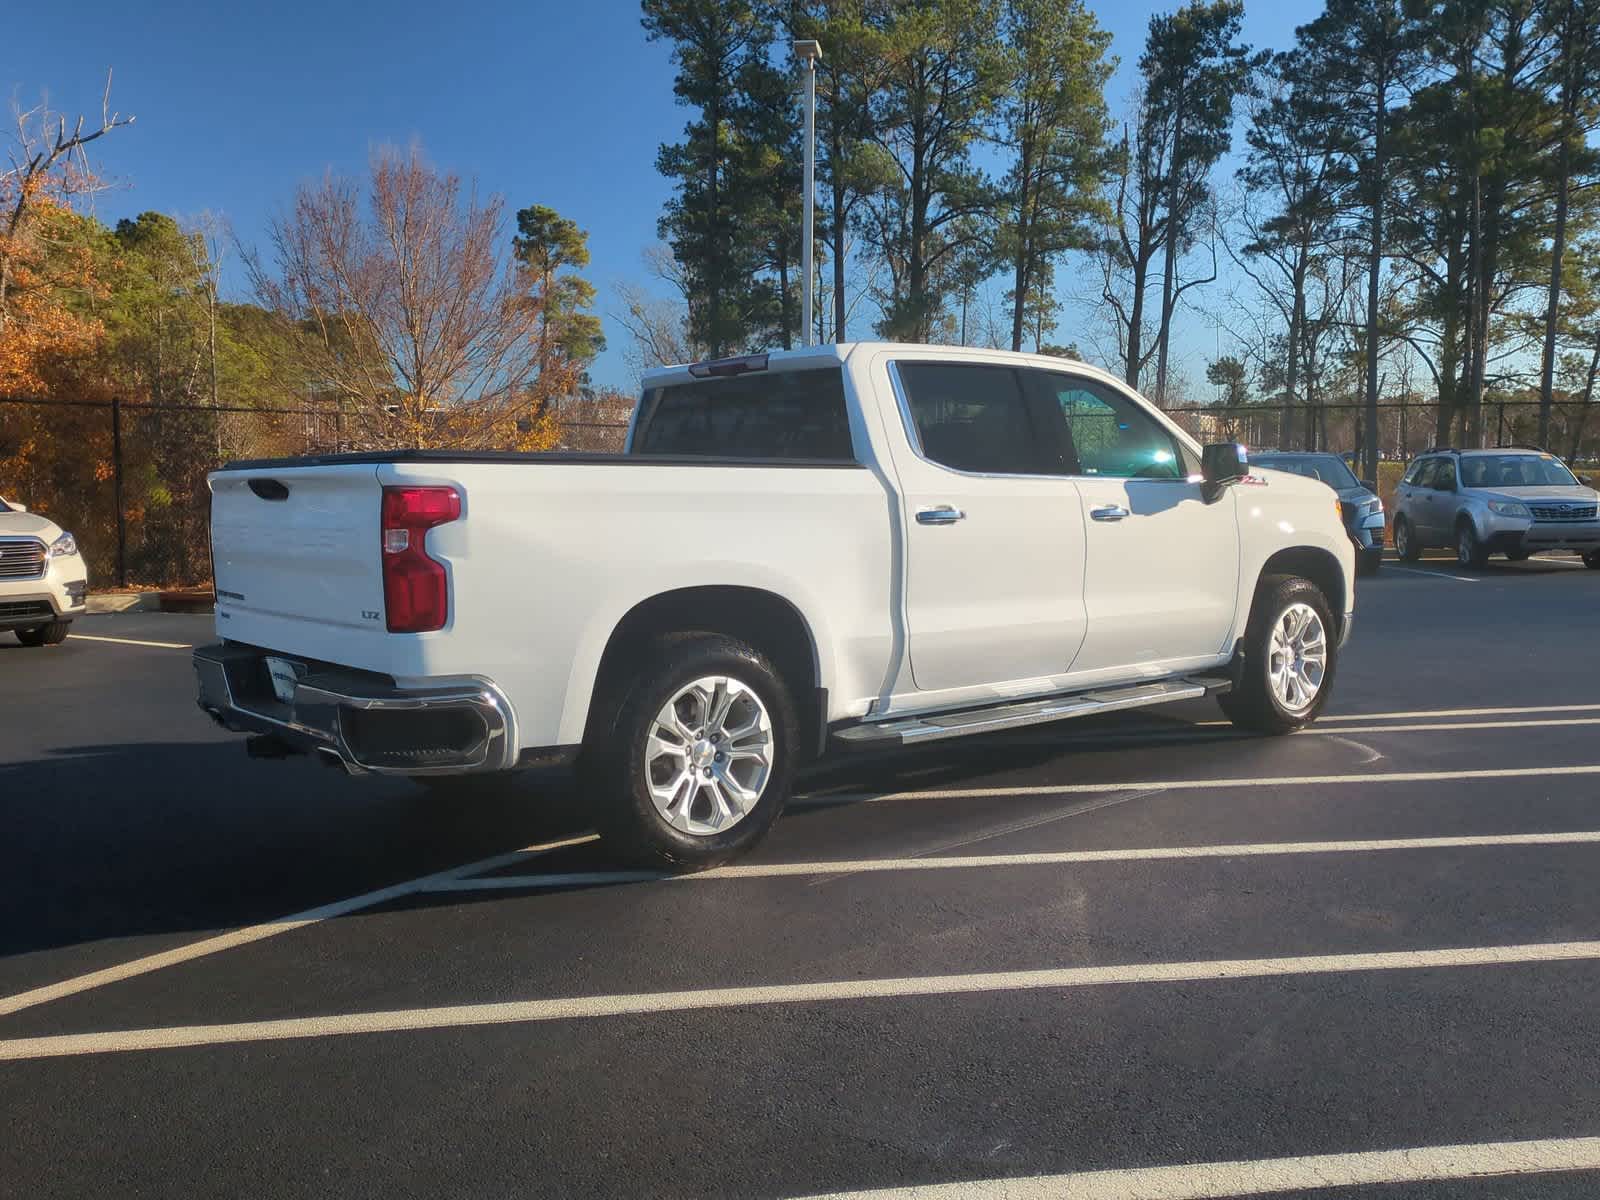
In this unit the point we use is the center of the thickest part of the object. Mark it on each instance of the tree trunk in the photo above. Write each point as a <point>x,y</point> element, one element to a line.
<point>838,231</point>
<point>1297,311</point>
<point>713,233</point>
<point>783,294</point>
<point>1547,366</point>
<point>1024,251</point>
<point>1588,399</point>
<point>1374,270</point>
<point>1169,267</point>
<point>1130,372</point>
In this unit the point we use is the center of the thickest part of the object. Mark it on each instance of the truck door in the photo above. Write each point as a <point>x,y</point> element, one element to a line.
<point>1161,579</point>
<point>993,528</point>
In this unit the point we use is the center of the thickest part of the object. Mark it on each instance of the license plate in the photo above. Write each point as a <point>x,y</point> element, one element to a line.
<point>284,675</point>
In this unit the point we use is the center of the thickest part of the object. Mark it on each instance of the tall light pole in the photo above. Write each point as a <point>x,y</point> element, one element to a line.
<point>810,53</point>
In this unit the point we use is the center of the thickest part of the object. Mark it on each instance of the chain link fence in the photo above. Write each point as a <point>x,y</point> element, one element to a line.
<point>129,480</point>
<point>1405,428</point>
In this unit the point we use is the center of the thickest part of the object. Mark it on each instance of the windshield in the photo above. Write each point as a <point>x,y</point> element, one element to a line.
<point>1514,470</point>
<point>1329,468</point>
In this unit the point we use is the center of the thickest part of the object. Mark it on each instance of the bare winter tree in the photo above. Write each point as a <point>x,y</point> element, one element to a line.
<point>418,321</point>
<point>47,163</point>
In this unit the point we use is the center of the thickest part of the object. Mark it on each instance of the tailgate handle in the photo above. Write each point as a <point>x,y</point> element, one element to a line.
<point>269,489</point>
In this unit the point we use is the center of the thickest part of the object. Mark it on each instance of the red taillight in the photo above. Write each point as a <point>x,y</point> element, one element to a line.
<point>416,591</point>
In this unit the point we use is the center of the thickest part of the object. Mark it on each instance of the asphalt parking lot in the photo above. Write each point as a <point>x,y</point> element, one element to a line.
<point>1135,957</point>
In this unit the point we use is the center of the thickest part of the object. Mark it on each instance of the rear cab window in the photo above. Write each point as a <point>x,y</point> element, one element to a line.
<point>795,416</point>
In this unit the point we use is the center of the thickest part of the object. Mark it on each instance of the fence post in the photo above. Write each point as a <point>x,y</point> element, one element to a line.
<point>116,490</point>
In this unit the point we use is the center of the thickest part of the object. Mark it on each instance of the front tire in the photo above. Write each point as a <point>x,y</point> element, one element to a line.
<point>1469,550</point>
<point>1290,653</point>
<point>1405,541</point>
<point>699,759</point>
<point>1592,560</point>
<point>52,634</point>
<point>1517,555</point>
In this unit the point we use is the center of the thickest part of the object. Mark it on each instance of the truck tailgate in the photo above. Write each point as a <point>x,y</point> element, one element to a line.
<point>298,557</point>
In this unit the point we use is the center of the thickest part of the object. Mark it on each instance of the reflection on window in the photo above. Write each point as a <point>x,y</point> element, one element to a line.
<point>1113,437</point>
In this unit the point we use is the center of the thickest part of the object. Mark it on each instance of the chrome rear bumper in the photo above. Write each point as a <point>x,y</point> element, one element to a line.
<point>362,719</point>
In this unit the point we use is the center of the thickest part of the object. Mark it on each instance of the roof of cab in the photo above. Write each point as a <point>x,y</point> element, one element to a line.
<point>812,356</point>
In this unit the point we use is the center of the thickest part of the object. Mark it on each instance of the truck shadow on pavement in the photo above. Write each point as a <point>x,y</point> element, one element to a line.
<point>113,841</point>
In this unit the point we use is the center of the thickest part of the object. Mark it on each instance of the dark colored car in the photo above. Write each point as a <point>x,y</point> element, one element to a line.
<point>1363,511</point>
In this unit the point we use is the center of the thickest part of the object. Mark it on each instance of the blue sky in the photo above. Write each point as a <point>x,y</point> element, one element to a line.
<point>558,104</point>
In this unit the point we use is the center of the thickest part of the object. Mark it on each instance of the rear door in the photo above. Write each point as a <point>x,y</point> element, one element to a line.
<point>1161,578</point>
<point>1439,502</point>
<point>994,531</point>
<point>297,557</point>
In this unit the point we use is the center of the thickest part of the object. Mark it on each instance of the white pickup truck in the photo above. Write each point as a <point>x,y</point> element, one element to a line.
<point>862,545</point>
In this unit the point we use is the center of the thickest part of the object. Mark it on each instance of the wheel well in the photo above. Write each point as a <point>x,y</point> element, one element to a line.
<point>761,619</point>
<point>1320,567</point>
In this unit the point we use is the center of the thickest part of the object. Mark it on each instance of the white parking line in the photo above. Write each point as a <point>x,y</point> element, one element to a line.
<point>1172,785</point>
<point>1433,574</point>
<point>1419,714</point>
<point>255,933</point>
<point>590,1007</point>
<point>1560,562</point>
<point>1033,859</point>
<point>1223,730</point>
<point>1265,1176</point>
<point>1344,729</point>
<point>94,637</point>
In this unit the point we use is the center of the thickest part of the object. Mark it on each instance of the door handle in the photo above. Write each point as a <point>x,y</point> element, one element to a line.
<point>1111,512</point>
<point>944,514</point>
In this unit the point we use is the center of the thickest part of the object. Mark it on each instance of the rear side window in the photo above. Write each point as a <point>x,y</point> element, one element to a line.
<point>975,418</point>
<point>797,415</point>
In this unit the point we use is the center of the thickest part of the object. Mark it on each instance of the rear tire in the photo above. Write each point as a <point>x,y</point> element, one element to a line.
<point>1592,560</point>
<point>1405,541</point>
<point>697,758</point>
<point>1517,555</point>
<point>1469,550</point>
<point>52,634</point>
<point>1290,654</point>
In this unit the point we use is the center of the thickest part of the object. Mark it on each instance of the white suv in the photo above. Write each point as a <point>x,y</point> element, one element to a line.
<point>43,580</point>
<point>1514,501</point>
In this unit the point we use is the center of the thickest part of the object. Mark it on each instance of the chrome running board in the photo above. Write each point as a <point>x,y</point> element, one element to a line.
<point>931,727</point>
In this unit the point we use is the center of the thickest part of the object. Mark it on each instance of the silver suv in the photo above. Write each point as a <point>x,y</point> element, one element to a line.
<point>1512,501</point>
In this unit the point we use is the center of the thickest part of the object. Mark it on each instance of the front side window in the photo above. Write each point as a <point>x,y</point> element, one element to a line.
<point>799,415</point>
<point>974,418</point>
<point>1111,435</point>
<point>1413,475</point>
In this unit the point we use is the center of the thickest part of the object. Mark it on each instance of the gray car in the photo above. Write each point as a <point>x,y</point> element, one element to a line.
<point>1512,501</point>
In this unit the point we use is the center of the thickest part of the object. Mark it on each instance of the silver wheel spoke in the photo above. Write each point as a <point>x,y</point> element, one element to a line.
<point>1297,657</point>
<point>706,731</point>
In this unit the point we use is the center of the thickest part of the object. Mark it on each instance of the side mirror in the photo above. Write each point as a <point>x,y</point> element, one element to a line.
<point>1222,463</point>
